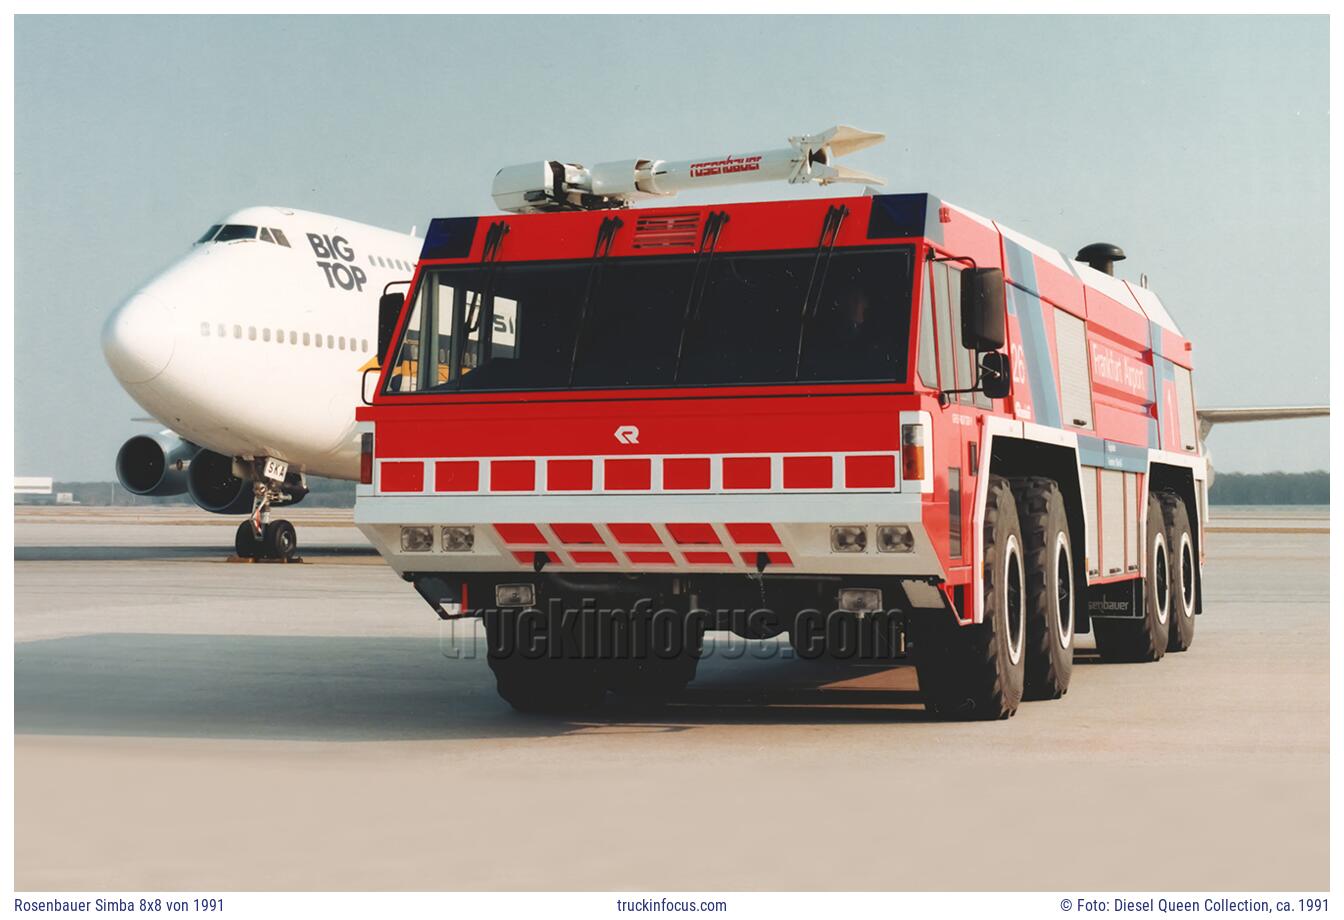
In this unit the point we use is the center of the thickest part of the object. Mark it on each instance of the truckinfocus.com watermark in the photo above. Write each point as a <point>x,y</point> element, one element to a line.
<point>645,631</point>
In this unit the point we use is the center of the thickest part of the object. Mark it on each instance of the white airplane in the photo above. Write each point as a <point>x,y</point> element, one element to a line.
<point>250,349</point>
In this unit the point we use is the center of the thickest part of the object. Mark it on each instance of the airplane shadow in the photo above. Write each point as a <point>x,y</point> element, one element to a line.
<point>381,689</point>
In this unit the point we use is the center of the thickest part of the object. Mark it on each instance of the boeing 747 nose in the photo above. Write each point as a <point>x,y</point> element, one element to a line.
<point>138,339</point>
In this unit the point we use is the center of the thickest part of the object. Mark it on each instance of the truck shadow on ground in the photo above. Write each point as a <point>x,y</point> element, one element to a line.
<point>383,689</point>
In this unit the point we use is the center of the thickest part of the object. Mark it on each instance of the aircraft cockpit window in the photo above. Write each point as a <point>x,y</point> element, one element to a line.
<point>208,235</point>
<point>236,232</point>
<point>266,236</point>
<point>279,237</point>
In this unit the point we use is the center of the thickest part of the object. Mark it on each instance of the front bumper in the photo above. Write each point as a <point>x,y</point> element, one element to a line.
<point>644,534</point>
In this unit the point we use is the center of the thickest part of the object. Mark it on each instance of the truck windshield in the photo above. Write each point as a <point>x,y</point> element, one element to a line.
<point>645,322</point>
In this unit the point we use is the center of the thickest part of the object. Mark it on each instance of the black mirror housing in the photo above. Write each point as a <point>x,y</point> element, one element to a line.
<point>982,309</point>
<point>995,373</point>
<point>389,309</point>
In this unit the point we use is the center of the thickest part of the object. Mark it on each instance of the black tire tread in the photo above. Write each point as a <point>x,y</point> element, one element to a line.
<point>958,668</point>
<point>1175,518</point>
<point>1133,639</point>
<point>1046,678</point>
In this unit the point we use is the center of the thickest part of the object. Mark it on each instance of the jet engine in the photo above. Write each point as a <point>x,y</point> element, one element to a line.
<point>214,486</point>
<point>155,464</point>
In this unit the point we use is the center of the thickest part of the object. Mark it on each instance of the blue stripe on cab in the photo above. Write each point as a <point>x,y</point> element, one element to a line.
<point>1040,370</point>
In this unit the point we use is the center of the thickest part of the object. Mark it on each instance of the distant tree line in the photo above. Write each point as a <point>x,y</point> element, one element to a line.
<point>1271,488</point>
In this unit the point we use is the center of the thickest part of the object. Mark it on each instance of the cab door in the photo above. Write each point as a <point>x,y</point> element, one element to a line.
<point>961,412</point>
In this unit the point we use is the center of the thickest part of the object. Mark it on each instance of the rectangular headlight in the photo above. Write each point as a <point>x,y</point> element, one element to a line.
<point>849,539</point>
<point>417,539</point>
<point>458,539</point>
<point>895,538</point>
<point>515,595</point>
<point>860,600</point>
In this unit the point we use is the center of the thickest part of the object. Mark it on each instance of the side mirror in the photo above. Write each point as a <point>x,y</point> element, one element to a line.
<point>994,374</point>
<point>982,309</point>
<point>389,308</point>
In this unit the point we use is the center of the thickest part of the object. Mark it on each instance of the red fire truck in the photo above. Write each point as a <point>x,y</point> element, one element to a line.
<point>878,421</point>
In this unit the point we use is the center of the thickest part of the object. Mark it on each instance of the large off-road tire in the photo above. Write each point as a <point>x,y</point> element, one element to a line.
<point>547,687</point>
<point>978,672</point>
<point>1051,588</point>
<point>663,665</point>
<point>1184,570</point>
<point>538,683</point>
<point>1144,638</point>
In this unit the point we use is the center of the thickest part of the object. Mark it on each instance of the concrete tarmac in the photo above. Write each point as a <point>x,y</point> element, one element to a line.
<point>185,723</point>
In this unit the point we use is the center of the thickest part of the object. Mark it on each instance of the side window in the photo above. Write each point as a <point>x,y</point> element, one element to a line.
<point>401,378</point>
<point>956,362</point>
<point>928,355</point>
<point>1185,404</point>
<point>1075,384</point>
<point>947,375</point>
<point>965,358</point>
<point>279,237</point>
<point>430,321</point>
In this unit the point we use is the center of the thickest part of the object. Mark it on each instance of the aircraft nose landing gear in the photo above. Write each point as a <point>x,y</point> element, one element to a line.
<point>259,537</point>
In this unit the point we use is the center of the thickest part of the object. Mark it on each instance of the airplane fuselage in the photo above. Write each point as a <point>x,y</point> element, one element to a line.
<point>253,344</point>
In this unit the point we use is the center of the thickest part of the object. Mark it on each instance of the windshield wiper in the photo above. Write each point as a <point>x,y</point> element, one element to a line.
<point>709,240</point>
<point>830,227</point>
<point>605,234</point>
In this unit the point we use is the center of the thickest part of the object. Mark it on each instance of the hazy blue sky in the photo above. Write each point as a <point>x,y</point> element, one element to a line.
<point>1198,144</point>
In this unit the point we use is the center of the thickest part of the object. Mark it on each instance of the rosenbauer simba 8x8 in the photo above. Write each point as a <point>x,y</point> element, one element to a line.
<point>880,423</point>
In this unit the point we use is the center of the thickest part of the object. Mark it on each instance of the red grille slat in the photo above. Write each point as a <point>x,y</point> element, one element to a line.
<point>634,474</point>
<point>513,476</point>
<point>398,476</point>
<point>520,533</point>
<point>577,533</point>
<point>746,472</point>
<point>686,473</point>
<point>569,475</point>
<point>808,472</point>
<point>589,557</point>
<point>753,534</point>
<point>529,558</point>
<point>775,558</point>
<point>703,558</point>
<point>693,534</point>
<point>870,472</point>
<point>457,476</point>
<point>635,534</point>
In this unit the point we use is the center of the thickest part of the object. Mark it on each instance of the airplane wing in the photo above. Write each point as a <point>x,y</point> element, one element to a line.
<point>1210,417</point>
